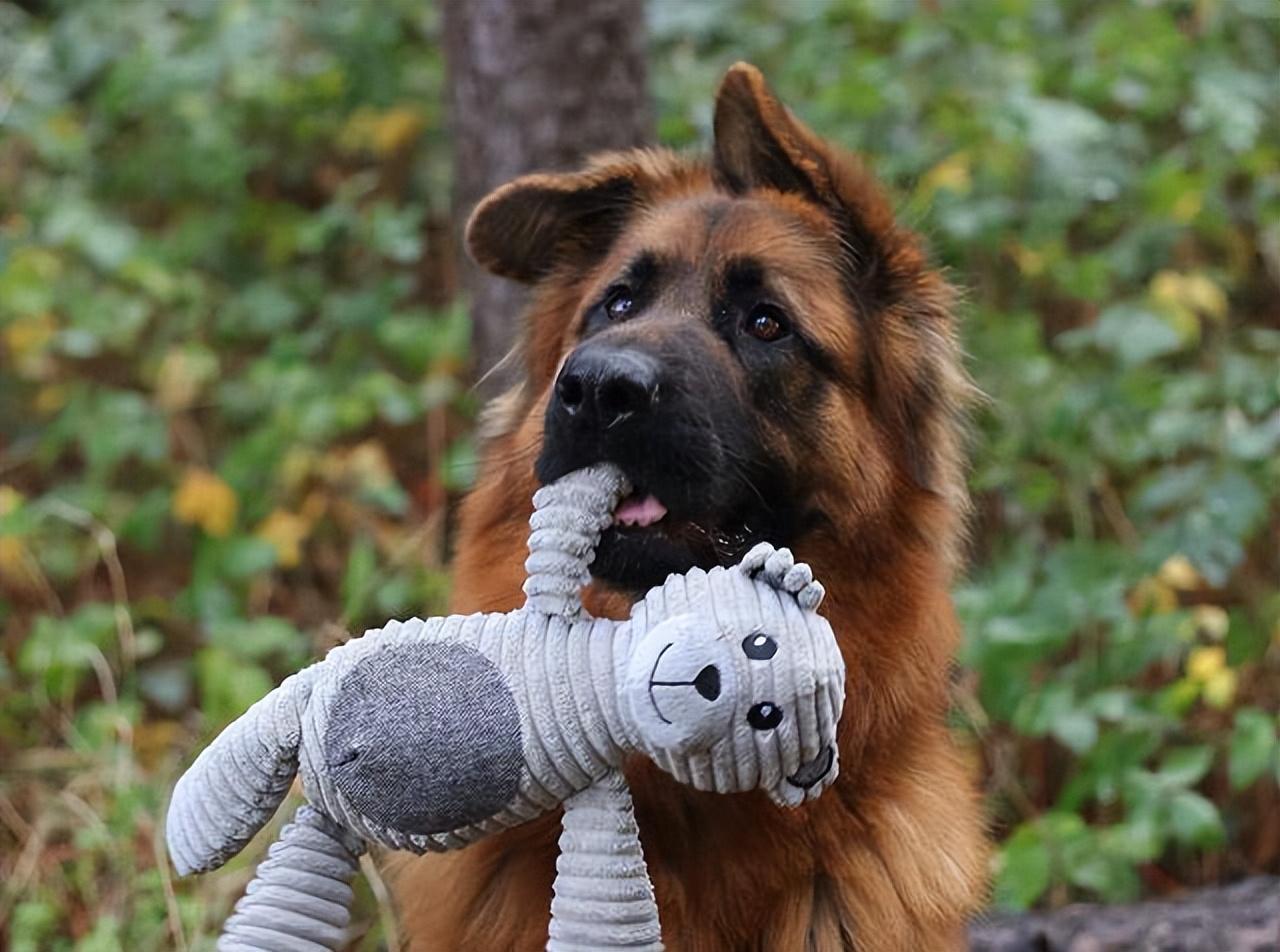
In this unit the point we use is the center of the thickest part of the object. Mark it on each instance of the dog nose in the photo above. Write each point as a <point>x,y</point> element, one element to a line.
<point>602,387</point>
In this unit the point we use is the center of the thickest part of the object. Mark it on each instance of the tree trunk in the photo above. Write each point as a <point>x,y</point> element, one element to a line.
<point>535,84</point>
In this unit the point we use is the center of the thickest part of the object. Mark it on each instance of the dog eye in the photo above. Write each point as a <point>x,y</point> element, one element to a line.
<point>765,716</point>
<point>767,323</point>
<point>619,303</point>
<point>759,647</point>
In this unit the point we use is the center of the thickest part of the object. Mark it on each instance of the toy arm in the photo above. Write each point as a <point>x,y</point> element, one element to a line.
<point>778,568</point>
<point>568,517</point>
<point>238,781</point>
<point>300,896</point>
<point>603,898</point>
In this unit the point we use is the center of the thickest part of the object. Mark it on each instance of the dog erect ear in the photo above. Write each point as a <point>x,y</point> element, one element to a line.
<point>523,229</point>
<point>759,144</point>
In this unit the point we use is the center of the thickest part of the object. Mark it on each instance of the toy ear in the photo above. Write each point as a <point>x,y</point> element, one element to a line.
<point>237,782</point>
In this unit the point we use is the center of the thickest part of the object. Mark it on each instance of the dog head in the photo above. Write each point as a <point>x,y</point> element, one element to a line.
<point>752,339</point>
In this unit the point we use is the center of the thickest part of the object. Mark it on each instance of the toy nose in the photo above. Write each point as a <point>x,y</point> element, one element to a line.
<point>707,683</point>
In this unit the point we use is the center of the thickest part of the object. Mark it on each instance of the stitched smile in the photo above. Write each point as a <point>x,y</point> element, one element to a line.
<point>653,674</point>
<point>809,774</point>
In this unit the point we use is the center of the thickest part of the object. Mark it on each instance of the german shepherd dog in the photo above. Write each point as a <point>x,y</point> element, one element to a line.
<point>768,356</point>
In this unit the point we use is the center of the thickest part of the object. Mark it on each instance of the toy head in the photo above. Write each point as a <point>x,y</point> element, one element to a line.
<point>735,683</point>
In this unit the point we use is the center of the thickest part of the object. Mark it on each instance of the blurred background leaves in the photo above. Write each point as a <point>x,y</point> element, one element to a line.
<point>235,406</point>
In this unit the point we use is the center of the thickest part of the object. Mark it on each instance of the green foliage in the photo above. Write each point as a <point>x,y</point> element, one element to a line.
<point>1104,180</point>
<point>219,357</point>
<point>231,413</point>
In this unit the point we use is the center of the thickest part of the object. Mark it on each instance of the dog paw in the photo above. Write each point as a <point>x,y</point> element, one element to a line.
<point>779,569</point>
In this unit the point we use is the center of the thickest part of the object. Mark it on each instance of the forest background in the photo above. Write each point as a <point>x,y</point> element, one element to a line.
<point>237,401</point>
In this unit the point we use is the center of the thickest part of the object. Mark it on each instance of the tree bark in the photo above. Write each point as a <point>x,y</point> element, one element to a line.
<point>535,84</point>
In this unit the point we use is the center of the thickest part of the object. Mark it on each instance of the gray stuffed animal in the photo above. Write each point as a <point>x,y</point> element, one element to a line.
<point>428,735</point>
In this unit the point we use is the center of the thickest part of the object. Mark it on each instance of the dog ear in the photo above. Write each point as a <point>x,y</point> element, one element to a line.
<point>525,228</point>
<point>760,144</point>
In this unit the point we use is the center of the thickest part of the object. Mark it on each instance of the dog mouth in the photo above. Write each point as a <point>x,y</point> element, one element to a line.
<point>642,512</point>
<point>639,511</point>
<point>649,540</point>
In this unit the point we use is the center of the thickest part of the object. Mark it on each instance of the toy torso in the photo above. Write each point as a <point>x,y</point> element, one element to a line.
<point>451,729</point>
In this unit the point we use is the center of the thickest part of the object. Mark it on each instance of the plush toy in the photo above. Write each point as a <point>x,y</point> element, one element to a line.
<point>428,735</point>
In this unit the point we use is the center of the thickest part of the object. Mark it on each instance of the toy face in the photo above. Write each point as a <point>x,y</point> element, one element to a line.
<point>682,685</point>
<point>742,698</point>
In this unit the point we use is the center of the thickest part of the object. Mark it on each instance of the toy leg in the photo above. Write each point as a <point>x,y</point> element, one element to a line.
<point>300,897</point>
<point>603,897</point>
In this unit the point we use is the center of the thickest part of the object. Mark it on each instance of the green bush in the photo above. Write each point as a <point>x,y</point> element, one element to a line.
<point>231,408</point>
<point>231,416</point>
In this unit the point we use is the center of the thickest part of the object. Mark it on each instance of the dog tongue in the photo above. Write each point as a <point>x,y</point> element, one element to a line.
<point>639,511</point>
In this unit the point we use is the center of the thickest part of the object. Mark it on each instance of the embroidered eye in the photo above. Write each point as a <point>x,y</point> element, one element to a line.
<point>765,716</point>
<point>620,303</point>
<point>767,323</point>
<point>759,647</point>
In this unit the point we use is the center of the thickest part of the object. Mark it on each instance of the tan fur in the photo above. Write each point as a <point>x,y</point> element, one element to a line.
<point>893,857</point>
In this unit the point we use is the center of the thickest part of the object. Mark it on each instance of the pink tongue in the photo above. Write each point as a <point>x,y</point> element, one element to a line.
<point>639,511</point>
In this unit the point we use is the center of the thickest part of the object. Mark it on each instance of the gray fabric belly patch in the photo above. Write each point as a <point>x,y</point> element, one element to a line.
<point>425,738</point>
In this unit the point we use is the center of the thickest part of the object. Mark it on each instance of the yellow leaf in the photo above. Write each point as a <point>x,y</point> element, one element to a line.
<point>1182,694</point>
<point>205,500</point>
<point>1220,690</point>
<point>1178,573</point>
<point>1205,296</point>
<point>286,532</point>
<point>1188,295</point>
<point>1203,664</point>
<point>37,261</point>
<point>296,467</point>
<point>396,128</point>
<point>364,466</point>
<point>951,174</point>
<point>13,555</point>
<point>1212,621</point>
<point>10,500</point>
<point>1030,262</point>
<point>50,398</point>
<point>1152,596</point>
<point>383,133</point>
<point>1187,207</point>
<point>19,569</point>
<point>155,740</point>
<point>29,336</point>
<point>181,377</point>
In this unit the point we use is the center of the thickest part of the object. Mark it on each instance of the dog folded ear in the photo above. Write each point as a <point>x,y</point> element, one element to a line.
<point>525,228</point>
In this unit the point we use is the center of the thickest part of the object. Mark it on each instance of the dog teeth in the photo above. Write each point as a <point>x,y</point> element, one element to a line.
<point>639,511</point>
